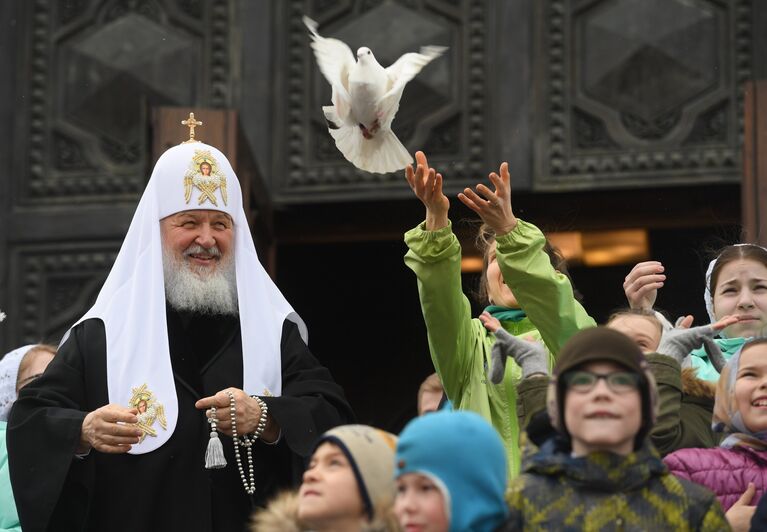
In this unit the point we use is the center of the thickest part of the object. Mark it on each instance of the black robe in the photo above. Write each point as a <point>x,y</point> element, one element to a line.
<point>169,488</point>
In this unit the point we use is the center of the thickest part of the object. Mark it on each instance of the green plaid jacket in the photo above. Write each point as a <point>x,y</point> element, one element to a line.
<point>605,492</point>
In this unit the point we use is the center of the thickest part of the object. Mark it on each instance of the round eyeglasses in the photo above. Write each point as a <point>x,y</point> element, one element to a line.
<point>617,381</point>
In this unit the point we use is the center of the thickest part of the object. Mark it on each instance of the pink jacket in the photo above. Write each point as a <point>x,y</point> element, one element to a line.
<point>726,472</point>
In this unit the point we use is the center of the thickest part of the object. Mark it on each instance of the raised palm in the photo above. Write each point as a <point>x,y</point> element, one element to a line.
<point>426,183</point>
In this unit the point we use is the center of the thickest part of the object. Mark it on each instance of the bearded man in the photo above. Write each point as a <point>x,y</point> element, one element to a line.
<point>188,344</point>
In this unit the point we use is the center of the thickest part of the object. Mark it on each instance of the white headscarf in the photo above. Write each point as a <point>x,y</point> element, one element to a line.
<point>9,372</point>
<point>132,301</point>
<point>707,296</point>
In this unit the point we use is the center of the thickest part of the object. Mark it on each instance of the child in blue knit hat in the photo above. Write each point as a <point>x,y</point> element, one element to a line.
<point>451,474</point>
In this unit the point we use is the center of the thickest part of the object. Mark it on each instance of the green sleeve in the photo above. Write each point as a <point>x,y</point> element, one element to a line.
<point>435,257</point>
<point>543,293</point>
<point>515,521</point>
<point>531,399</point>
<point>680,424</point>
<point>714,520</point>
<point>515,499</point>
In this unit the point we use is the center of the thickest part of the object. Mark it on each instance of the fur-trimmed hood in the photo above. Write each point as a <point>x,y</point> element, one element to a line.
<point>281,515</point>
<point>693,386</point>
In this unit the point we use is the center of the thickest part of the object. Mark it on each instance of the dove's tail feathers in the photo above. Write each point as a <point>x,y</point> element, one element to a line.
<point>381,154</point>
<point>331,115</point>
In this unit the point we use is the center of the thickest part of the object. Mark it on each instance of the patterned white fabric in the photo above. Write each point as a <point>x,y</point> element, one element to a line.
<point>9,371</point>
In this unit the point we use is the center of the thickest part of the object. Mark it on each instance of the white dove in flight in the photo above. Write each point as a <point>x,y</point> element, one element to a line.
<point>365,99</point>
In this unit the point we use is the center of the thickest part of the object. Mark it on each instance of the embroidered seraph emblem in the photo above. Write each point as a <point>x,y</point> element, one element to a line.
<point>149,411</point>
<point>204,174</point>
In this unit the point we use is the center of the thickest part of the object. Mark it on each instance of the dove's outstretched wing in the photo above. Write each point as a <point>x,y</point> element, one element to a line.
<point>399,73</point>
<point>335,59</point>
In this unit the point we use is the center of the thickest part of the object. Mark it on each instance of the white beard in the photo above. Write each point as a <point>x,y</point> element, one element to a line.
<point>196,289</point>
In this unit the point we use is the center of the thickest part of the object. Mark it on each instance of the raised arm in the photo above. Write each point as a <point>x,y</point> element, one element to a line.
<point>426,183</point>
<point>545,294</point>
<point>435,256</point>
<point>684,419</point>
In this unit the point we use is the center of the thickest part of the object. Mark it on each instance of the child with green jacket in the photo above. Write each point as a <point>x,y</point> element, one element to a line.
<point>530,297</point>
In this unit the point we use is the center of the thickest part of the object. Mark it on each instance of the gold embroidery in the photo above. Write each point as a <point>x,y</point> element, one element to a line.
<point>149,411</point>
<point>204,173</point>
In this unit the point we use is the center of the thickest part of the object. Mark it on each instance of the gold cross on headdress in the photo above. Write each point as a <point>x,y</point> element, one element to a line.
<point>191,123</point>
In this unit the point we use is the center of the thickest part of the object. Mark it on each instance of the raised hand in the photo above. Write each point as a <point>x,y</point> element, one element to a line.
<point>247,413</point>
<point>678,342</point>
<point>491,323</point>
<point>530,356</point>
<point>494,207</point>
<point>739,515</point>
<point>109,429</point>
<point>426,182</point>
<point>642,283</point>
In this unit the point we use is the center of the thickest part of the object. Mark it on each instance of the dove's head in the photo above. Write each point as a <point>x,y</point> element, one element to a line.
<point>364,53</point>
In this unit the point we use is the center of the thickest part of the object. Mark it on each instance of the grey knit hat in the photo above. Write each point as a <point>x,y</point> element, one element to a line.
<point>370,452</point>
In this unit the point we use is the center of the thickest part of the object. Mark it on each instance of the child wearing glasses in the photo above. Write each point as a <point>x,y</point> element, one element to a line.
<point>685,402</point>
<point>599,469</point>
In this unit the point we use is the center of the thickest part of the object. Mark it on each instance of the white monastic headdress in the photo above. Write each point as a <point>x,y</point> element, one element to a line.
<point>9,371</point>
<point>132,301</point>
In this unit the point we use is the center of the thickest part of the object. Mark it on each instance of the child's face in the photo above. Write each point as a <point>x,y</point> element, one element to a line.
<point>329,493</point>
<point>420,505</point>
<point>751,388</point>
<point>741,290</point>
<point>498,291</point>
<point>643,330</point>
<point>601,418</point>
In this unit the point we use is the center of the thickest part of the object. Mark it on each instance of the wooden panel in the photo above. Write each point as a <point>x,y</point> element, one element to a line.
<point>92,70</point>
<point>219,129</point>
<point>57,283</point>
<point>641,93</point>
<point>754,189</point>
<point>443,111</point>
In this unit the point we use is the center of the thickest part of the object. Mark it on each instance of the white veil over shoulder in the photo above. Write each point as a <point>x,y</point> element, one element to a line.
<point>132,301</point>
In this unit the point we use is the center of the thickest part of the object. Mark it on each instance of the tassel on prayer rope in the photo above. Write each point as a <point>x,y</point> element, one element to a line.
<point>214,454</point>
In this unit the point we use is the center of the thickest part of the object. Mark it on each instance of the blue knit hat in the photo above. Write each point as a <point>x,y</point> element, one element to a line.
<point>465,457</point>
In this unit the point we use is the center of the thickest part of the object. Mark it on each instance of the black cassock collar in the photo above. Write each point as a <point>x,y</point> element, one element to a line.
<point>195,342</point>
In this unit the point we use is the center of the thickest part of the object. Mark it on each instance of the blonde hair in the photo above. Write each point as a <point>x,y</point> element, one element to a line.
<point>30,355</point>
<point>432,383</point>
<point>642,313</point>
<point>484,241</point>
